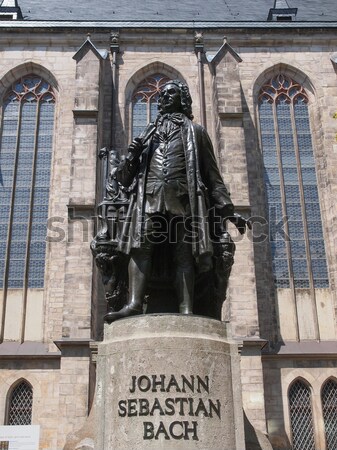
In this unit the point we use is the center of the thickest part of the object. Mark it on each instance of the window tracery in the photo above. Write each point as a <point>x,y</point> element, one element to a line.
<point>301,416</point>
<point>296,234</point>
<point>25,161</point>
<point>144,102</point>
<point>20,405</point>
<point>329,405</point>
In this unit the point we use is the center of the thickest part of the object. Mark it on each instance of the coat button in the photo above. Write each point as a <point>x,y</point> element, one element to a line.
<point>164,171</point>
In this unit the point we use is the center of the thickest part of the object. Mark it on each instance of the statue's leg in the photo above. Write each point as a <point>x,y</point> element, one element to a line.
<point>183,263</point>
<point>139,269</point>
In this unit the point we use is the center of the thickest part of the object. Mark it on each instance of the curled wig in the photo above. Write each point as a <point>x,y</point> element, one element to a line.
<point>185,96</point>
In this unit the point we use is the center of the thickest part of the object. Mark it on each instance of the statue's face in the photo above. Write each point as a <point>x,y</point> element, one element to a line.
<point>170,99</point>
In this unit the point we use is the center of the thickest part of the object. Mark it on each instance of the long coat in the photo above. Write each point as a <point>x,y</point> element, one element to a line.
<point>205,189</point>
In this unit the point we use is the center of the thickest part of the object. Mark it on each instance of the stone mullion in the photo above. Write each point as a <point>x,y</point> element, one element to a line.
<point>284,219</point>
<point>305,223</point>
<point>29,231</point>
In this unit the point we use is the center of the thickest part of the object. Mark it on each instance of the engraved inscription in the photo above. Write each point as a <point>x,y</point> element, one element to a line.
<point>187,405</point>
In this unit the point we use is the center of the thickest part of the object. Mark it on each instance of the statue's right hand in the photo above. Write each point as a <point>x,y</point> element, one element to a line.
<point>136,147</point>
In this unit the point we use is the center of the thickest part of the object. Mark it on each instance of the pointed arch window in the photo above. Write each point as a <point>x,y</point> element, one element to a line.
<point>20,404</point>
<point>25,159</point>
<point>329,405</point>
<point>296,234</point>
<point>301,416</point>
<point>144,102</point>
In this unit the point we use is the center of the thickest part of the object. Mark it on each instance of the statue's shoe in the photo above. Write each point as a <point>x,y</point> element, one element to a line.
<point>126,311</point>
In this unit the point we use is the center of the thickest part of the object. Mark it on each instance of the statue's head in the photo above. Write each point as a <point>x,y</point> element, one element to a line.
<point>175,97</point>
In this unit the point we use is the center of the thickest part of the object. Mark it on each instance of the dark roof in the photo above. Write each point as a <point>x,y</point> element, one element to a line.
<point>172,10</point>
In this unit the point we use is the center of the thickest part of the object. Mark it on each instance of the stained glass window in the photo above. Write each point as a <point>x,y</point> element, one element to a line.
<point>20,405</point>
<point>329,405</point>
<point>296,234</point>
<point>25,160</point>
<point>301,417</point>
<point>144,102</point>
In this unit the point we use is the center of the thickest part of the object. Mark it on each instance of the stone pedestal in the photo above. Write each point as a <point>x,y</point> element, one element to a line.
<point>168,382</point>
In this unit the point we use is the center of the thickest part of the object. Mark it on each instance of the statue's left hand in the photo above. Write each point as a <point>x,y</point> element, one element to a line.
<point>240,222</point>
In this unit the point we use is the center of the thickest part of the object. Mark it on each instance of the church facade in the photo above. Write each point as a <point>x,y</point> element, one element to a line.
<point>264,84</point>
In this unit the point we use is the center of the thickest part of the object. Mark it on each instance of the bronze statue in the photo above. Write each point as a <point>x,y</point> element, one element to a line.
<point>167,193</point>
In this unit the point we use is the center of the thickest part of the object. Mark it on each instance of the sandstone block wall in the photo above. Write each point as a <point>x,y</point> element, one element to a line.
<point>71,304</point>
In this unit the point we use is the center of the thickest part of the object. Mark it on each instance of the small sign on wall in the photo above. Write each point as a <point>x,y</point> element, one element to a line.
<point>19,437</point>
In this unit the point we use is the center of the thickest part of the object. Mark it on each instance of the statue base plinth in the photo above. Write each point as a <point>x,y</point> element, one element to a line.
<point>168,382</point>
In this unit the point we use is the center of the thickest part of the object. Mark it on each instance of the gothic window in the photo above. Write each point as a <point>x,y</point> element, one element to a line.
<point>296,235</point>
<point>144,102</point>
<point>25,158</point>
<point>20,405</point>
<point>301,417</point>
<point>329,405</point>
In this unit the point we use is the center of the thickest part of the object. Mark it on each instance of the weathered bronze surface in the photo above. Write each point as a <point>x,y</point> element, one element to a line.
<point>162,244</point>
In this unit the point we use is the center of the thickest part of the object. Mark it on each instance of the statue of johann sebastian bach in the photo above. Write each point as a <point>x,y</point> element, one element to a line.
<point>176,195</point>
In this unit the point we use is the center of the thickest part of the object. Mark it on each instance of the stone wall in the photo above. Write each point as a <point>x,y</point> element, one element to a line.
<point>60,384</point>
<point>71,304</point>
<point>280,373</point>
<point>316,72</point>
